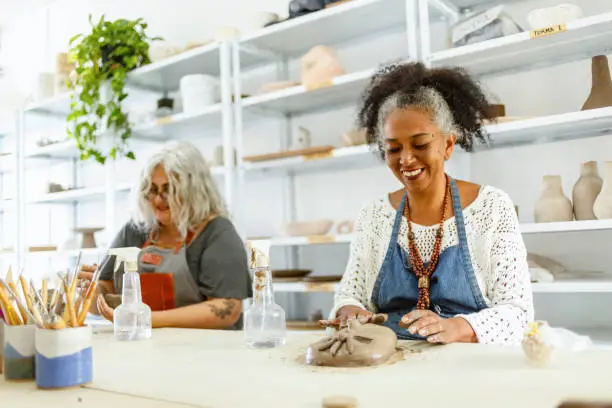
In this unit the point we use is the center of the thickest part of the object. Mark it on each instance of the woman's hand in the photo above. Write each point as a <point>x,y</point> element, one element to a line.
<point>438,329</point>
<point>347,313</point>
<point>86,274</point>
<point>104,309</point>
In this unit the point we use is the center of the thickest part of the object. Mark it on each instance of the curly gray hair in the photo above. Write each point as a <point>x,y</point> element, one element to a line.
<point>193,194</point>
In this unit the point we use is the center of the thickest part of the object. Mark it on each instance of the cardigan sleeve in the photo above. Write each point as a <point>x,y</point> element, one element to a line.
<point>353,289</point>
<point>509,291</point>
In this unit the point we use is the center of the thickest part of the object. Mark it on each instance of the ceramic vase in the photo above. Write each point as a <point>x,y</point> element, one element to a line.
<point>601,84</point>
<point>603,204</point>
<point>586,190</point>
<point>19,352</point>
<point>553,205</point>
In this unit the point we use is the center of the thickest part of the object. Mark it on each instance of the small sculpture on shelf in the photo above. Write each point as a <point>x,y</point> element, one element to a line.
<point>301,140</point>
<point>553,205</point>
<point>586,190</point>
<point>601,84</point>
<point>603,204</point>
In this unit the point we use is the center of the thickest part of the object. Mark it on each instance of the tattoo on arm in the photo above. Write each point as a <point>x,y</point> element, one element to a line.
<point>223,311</point>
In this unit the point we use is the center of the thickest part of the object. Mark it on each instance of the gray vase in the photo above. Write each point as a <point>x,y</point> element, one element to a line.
<point>586,190</point>
<point>553,205</point>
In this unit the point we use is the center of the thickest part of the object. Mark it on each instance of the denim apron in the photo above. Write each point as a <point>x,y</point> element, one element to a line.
<point>454,288</point>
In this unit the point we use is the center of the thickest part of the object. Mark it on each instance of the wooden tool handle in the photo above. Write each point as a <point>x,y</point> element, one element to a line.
<point>72,318</point>
<point>87,303</point>
<point>24,314</point>
<point>7,309</point>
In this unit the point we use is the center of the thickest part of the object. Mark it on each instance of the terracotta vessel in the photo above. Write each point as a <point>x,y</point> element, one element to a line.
<point>603,204</point>
<point>553,205</point>
<point>601,85</point>
<point>586,190</point>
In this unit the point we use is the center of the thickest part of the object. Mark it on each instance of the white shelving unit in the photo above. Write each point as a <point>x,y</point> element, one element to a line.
<point>156,78</point>
<point>277,45</point>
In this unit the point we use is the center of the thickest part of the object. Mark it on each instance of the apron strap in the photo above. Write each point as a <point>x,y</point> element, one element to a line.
<point>463,245</point>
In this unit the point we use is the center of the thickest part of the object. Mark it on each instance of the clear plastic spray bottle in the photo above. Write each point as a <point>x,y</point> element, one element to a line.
<point>132,319</point>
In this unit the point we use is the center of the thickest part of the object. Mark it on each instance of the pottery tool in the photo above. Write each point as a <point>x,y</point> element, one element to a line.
<point>18,301</point>
<point>13,317</point>
<point>72,318</point>
<point>52,319</point>
<point>26,292</point>
<point>45,293</point>
<point>38,297</point>
<point>13,286</point>
<point>5,305</point>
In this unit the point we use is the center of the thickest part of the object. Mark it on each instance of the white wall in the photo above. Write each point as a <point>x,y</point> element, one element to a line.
<point>338,195</point>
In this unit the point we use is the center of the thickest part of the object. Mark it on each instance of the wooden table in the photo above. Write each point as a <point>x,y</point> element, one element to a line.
<point>215,369</point>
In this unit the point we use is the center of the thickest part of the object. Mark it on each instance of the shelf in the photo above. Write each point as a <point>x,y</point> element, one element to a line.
<point>342,90</point>
<point>81,194</point>
<point>342,158</point>
<point>338,24</point>
<point>574,286</point>
<point>569,226</point>
<point>311,240</point>
<point>165,75</point>
<point>58,105</point>
<point>73,253</point>
<point>181,124</point>
<point>564,126</point>
<point>582,39</point>
<point>305,286</point>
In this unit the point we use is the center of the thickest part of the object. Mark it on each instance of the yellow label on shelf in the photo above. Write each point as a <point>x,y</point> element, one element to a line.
<point>543,32</point>
<point>319,85</point>
<point>321,239</point>
<point>164,121</point>
<point>318,156</point>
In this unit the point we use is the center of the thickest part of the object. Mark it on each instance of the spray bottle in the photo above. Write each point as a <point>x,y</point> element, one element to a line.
<point>132,320</point>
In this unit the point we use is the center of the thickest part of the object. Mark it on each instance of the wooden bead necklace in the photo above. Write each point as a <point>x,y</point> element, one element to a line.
<point>423,274</point>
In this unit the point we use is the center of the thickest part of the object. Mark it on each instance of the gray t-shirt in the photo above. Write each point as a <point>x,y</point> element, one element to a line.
<point>216,257</point>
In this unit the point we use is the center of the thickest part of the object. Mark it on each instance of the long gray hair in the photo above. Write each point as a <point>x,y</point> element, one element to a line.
<point>193,194</point>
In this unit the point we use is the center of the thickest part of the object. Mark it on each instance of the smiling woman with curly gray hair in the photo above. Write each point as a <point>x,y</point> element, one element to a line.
<point>181,225</point>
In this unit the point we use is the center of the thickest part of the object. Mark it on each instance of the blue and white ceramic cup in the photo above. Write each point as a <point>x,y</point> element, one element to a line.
<point>19,352</point>
<point>64,358</point>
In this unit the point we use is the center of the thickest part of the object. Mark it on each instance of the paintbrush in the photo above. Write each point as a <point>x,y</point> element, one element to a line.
<point>5,305</point>
<point>72,318</point>
<point>18,301</point>
<point>89,295</point>
<point>45,293</point>
<point>13,286</point>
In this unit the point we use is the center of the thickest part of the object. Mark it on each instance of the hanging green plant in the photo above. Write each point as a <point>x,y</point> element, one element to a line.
<point>106,55</point>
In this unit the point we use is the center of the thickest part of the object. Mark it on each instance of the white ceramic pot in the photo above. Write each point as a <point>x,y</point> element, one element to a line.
<point>553,205</point>
<point>64,358</point>
<point>198,92</point>
<point>19,352</point>
<point>603,204</point>
<point>586,190</point>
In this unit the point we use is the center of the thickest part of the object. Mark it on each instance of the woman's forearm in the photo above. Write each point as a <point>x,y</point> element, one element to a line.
<point>211,314</point>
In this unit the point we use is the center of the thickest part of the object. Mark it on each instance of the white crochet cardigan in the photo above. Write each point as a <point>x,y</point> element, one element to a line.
<point>497,251</point>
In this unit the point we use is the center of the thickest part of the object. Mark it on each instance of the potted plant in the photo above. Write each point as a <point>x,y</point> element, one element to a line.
<point>105,55</point>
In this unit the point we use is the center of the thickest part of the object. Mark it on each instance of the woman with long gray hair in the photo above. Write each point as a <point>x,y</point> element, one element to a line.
<point>182,227</point>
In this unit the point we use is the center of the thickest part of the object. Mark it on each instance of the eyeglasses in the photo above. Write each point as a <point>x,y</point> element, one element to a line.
<point>154,192</point>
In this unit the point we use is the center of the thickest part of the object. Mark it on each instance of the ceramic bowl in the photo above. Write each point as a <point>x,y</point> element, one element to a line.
<point>305,228</point>
<point>548,16</point>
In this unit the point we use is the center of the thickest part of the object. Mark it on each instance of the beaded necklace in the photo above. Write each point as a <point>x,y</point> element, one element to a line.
<point>423,274</point>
